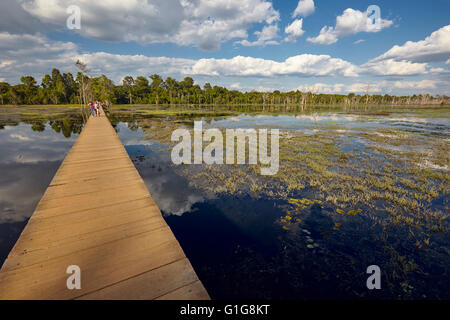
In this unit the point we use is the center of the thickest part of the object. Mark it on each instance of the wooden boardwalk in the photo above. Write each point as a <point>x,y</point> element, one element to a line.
<point>97,214</point>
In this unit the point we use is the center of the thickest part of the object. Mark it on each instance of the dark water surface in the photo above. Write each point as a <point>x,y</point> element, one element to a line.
<point>235,240</point>
<point>29,159</point>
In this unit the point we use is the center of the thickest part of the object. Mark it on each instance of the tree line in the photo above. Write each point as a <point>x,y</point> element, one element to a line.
<point>64,88</point>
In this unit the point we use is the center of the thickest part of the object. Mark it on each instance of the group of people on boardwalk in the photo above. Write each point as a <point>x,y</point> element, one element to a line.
<point>95,108</point>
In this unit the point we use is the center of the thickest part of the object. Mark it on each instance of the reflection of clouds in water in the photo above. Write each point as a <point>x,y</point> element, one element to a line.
<point>28,162</point>
<point>21,144</point>
<point>414,120</point>
<point>331,117</point>
<point>21,188</point>
<point>440,126</point>
<point>350,117</point>
<point>437,121</point>
<point>20,137</point>
<point>309,117</point>
<point>252,121</point>
<point>334,117</point>
<point>131,138</point>
<point>172,202</point>
<point>308,132</point>
<point>428,164</point>
<point>132,142</point>
<point>171,192</point>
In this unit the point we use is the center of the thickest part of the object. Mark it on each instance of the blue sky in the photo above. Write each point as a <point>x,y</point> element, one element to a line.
<point>320,46</point>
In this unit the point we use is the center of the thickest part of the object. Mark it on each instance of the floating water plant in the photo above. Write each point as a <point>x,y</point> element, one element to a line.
<point>336,226</point>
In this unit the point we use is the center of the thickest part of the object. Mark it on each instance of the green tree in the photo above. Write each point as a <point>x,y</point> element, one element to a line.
<point>128,83</point>
<point>172,86</point>
<point>155,87</point>
<point>83,87</point>
<point>14,95</point>
<point>187,83</point>
<point>103,89</point>
<point>4,88</point>
<point>142,88</point>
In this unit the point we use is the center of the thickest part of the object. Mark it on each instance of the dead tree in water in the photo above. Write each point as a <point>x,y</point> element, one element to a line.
<point>367,95</point>
<point>83,68</point>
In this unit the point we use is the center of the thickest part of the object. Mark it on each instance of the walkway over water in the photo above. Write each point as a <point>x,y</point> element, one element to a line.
<point>97,214</point>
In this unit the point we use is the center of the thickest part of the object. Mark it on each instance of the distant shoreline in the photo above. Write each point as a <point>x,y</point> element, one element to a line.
<point>192,105</point>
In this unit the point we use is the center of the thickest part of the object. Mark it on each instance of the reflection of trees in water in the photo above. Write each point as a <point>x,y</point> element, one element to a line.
<point>159,125</point>
<point>38,126</point>
<point>7,122</point>
<point>129,118</point>
<point>67,126</point>
<point>133,126</point>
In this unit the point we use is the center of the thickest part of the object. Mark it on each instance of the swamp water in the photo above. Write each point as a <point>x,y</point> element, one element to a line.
<point>354,189</point>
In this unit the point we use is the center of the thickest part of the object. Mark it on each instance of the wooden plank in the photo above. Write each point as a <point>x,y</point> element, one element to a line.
<point>68,189</point>
<point>74,178</point>
<point>149,285</point>
<point>100,267</point>
<point>99,219</point>
<point>43,223</point>
<point>97,214</point>
<point>48,249</point>
<point>93,199</point>
<point>195,291</point>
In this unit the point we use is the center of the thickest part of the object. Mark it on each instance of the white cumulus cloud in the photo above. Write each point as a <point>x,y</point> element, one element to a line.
<point>414,57</point>
<point>36,54</point>
<point>202,23</point>
<point>360,87</point>
<point>350,22</point>
<point>294,30</point>
<point>33,55</point>
<point>118,65</point>
<point>372,87</point>
<point>423,84</point>
<point>434,48</point>
<point>304,8</point>
<point>392,67</point>
<point>266,36</point>
<point>322,88</point>
<point>302,65</point>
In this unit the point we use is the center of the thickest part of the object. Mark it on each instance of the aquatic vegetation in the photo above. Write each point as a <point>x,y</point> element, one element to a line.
<point>354,212</point>
<point>337,200</point>
<point>349,212</point>
<point>312,163</point>
<point>375,178</point>
<point>336,226</point>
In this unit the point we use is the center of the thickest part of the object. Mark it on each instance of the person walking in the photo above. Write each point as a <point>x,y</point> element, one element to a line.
<point>91,107</point>
<point>97,112</point>
<point>99,104</point>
